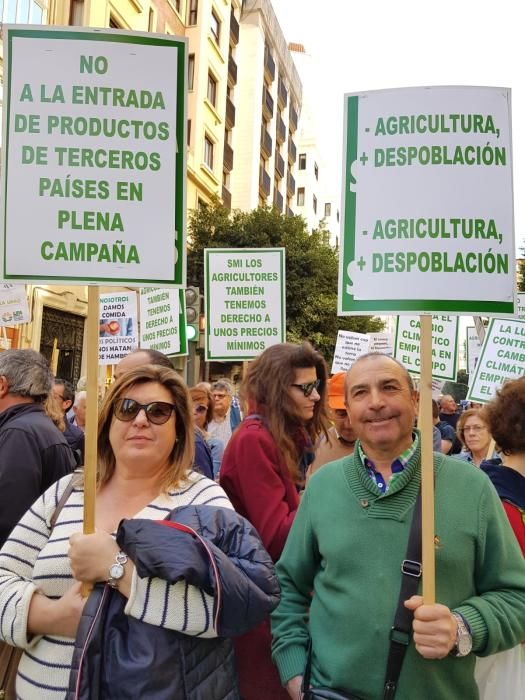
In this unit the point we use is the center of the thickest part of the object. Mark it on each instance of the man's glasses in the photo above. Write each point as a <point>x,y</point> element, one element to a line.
<point>200,409</point>
<point>219,396</point>
<point>308,387</point>
<point>157,412</point>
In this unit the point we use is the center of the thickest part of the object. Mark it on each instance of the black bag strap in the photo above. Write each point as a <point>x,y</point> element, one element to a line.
<point>401,632</point>
<point>305,685</point>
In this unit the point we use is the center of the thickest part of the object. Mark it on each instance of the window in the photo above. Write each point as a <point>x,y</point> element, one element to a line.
<point>316,171</point>
<point>193,9</point>
<point>328,209</point>
<point>177,5</point>
<point>188,132</point>
<point>23,11</point>
<point>314,202</point>
<point>201,204</point>
<point>151,20</point>
<point>208,152</point>
<point>191,70</point>
<point>212,89</point>
<point>113,23</point>
<point>302,161</point>
<point>215,26</point>
<point>300,197</point>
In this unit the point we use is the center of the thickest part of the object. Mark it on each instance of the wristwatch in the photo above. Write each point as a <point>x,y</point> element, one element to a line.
<point>463,645</point>
<point>116,570</point>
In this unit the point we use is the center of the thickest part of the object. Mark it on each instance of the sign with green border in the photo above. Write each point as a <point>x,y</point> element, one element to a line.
<point>444,345</point>
<point>94,157</point>
<point>502,358</point>
<point>427,223</point>
<point>162,320</point>
<point>244,296</point>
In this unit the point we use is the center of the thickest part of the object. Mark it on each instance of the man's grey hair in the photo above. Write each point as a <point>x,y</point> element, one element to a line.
<point>223,385</point>
<point>27,374</point>
<point>79,396</point>
<point>373,355</point>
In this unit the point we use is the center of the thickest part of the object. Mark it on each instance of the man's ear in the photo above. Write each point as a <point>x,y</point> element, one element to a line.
<point>68,405</point>
<point>4,386</point>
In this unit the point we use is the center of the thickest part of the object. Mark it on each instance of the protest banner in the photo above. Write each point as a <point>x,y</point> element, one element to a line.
<point>473,349</point>
<point>118,328</point>
<point>502,357</point>
<point>244,296</point>
<point>444,345</point>
<point>162,321</point>
<point>13,304</point>
<point>349,346</point>
<point>381,342</point>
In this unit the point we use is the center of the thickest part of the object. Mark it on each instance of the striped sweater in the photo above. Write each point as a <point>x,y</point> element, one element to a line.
<point>33,558</point>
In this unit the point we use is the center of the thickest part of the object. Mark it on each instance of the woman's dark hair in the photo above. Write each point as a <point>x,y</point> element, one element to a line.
<point>265,389</point>
<point>505,417</point>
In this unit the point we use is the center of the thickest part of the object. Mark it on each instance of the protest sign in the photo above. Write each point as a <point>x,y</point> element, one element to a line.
<point>381,342</point>
<point>348,348</point>
<point>118,331</point>
<point>428,212</point>
<point>13,304</point>
<point>162,322</point>
<point>244,301</point>
<point>502,357</point>
<point>93,167</point>
<point>444,343</point>
<point>520,306</point>
<point>473,349</point>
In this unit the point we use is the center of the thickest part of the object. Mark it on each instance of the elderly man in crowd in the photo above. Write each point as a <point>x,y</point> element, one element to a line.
<point>226,413</point>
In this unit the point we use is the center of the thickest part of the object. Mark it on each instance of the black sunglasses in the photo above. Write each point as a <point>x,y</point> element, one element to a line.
<point>157,412</point>
<point>309,386</point>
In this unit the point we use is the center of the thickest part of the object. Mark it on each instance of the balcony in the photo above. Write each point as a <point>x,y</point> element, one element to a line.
<point>228,158</point>
<point>279,165</point>
<point>266,143</point>
<point>290,185</point>
<point>226,197</point>
<point>269,65</point>
<point>234,30</point>
<point>230,113</point>
<point>267,102</point>
<point>232,71</point>
<point>282,94</point>
<point>289,212</point>
<point>280,132</point>
<point>264,182</point>
<point>278,201</point>
<point>293,119</point>
<point>292,151</point>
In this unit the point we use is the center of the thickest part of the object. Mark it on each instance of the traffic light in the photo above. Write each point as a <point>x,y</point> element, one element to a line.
<point>193,309</point>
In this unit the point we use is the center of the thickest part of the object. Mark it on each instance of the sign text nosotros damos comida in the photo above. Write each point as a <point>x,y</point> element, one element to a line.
<point>244,301</point>
<point>94,157</point>
<point>428,209</point>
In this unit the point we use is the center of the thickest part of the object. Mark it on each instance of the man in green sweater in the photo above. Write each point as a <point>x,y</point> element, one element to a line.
<point>347,543</point>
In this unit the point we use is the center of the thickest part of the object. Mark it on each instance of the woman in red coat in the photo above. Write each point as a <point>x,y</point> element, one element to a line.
<point>263,470</point>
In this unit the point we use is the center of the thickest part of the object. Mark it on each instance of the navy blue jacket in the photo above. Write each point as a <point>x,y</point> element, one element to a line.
<point>214,549</point>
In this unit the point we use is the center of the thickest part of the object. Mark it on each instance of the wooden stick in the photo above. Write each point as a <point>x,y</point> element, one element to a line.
<point>427,461</point>
<point>492,447</point>
<point>90,464</point>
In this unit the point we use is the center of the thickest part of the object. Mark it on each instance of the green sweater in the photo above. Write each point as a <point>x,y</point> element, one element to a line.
<point>346,545</point>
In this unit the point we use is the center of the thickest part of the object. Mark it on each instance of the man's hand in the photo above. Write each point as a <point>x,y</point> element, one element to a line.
<point>434,626</point>
<point>91,556</point>
<point>293,687</point>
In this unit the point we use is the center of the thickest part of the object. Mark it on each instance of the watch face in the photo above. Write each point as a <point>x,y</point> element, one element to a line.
<point>116,571</point>
<point>464,644</point>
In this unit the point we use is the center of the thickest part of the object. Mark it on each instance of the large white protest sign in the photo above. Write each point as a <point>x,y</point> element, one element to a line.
<point>473,347</point>
<point>162,322</point>
<point>118,331</point>
<point>13,304</point>
<point>244,301</point>
<point>502,357</point>
<point>348,348</point>
<point>428,210</point>
<point>94,151</point>
<point>444,342</point>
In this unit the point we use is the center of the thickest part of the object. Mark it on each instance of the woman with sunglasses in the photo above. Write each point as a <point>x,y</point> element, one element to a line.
<point>202,414</point>
<point>263,470</point>
<point>161,551</point>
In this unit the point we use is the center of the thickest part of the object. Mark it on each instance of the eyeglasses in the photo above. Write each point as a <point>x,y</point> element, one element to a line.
<point>474,428</point>
<point>157,412</point>
<point>219,396</point>
<point>200,409</point>
<point>309,386</point>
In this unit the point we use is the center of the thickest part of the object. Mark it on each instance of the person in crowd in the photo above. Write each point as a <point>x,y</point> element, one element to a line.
<point>503,675</point>
<point>226,412</point>
<point>341,437</point>
<point>33,452</point>
<point>449,410</point>
<point>139,358</point>
<point>264,467</point>
<point>349,539</point>
<point>475,437</point>
<point>184,570</point>
<point>64,394</point>
<point>446,431</point>
<point>79,409</point>
<point>202,415</point>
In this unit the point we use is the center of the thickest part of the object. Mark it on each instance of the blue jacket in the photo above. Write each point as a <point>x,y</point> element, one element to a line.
<point>119,656</point>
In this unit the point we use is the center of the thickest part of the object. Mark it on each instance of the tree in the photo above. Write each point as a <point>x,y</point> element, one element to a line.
<point>311,268</point>
<point>521,275</point>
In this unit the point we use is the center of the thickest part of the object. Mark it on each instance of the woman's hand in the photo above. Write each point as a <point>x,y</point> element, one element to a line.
<point>91,556</point>
<point>59,617</point>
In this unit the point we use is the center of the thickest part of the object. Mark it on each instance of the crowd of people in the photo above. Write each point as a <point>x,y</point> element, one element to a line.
<point>250,544</point>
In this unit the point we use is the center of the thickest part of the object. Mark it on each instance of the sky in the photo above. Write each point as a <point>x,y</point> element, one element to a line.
<point>360,45</point>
